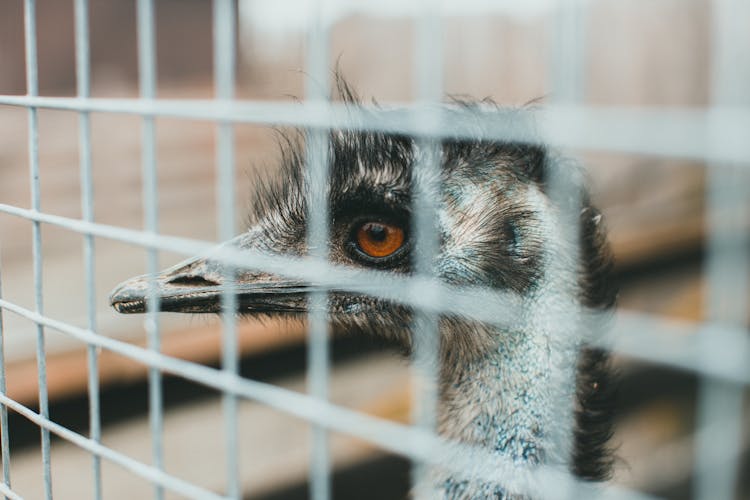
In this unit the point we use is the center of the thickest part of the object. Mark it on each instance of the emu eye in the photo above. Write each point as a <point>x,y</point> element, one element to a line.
<point>379,240</point>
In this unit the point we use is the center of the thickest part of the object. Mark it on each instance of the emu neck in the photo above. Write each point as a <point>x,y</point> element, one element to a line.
<point>516,400</point>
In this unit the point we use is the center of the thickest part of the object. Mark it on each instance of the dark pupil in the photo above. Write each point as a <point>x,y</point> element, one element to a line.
<point>377,232</point>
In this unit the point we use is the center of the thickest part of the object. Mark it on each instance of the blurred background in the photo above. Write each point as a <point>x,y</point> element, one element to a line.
<point>653,53</point>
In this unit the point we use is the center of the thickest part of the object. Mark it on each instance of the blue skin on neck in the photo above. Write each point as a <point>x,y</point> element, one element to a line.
<point>460,489</point>
<point>513,430</point>
<point>507,445</point>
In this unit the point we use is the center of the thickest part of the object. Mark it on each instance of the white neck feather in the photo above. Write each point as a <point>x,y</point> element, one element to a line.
<point>518,400</point>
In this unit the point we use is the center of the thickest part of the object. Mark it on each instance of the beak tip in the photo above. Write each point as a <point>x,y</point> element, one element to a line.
<point>128,298</point>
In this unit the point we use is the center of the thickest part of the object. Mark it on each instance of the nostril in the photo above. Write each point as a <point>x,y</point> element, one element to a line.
<point>188,280</point>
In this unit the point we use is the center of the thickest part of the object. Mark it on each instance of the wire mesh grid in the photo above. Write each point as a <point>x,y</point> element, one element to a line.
<point>718,350</point>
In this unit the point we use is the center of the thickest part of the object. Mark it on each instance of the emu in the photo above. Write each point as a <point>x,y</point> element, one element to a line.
<point>499,226</point>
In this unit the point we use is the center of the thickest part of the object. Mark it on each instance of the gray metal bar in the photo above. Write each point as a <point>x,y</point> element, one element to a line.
<point>83,81</point>
<point>4,436</point>
<point>426,175</point>
<point>7,492</point>
<point>408,441</point>
<point>679,133</point>
<point>720,403</point>
<point>568,47</point>
<point>317,161</point>
<point>666,341</point>
<point>224,18</point>
<point>638,335</point>
<point>567,70</point>
<point>32,88</point>
<point>681,344</point>
<point>147,82</point>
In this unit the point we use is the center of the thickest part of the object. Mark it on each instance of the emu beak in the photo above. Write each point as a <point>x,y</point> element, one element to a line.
<point>197,286</point>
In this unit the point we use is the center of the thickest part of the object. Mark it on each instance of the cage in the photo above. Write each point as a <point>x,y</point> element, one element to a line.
<point>134,135</point>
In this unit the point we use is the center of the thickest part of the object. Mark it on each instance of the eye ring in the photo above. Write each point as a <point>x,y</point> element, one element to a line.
<point>375,241</point>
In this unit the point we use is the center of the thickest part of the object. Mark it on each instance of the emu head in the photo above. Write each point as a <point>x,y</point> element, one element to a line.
<point>500,225</point>
<point>494,224</point>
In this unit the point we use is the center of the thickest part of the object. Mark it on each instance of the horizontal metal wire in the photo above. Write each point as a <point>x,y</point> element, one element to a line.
<point>482,304</point>
<point>9,493</point>
<point>639,335</point>
<point>153,474</point>
<point>681,344</point>
<point>715,134</point>
<point>415,443</point>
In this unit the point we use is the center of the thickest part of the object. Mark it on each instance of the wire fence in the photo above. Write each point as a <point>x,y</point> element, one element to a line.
<point>718,349</point>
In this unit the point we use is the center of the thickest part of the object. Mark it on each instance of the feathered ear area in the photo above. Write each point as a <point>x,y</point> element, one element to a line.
<point>597,279</point>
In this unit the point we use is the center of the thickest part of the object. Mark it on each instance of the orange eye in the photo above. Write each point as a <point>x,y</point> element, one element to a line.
<point>378,239</point>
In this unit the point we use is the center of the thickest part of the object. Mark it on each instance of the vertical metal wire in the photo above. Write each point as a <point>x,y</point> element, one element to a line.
<point>224,80</point>
<point>83,81</point>
<point>317,159</point>
<point>568,58</point>
<point>4,437</point>
<point>567,81</point>
<point>717,447</point>
<point>147,83</point>
<point>32,86</point>
<point>426,174</point>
